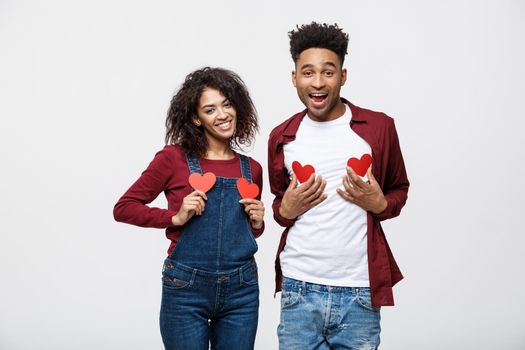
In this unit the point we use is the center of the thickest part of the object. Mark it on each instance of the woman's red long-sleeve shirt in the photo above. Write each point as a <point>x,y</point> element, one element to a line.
<point>168,172</point>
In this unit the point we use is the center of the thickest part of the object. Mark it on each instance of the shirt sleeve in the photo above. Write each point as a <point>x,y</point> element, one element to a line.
<point>278,183</point>
<point>132,207</point>
<point>395,188</point>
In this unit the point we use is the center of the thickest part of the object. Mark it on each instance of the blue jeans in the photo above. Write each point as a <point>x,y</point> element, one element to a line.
<point>200,307</point>
<point>315,316</point>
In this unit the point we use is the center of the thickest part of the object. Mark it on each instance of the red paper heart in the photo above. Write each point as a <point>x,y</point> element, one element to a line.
<point>246,189</point>
<point>360,166</point>
<point>302,172</point>
<point>202,182</point>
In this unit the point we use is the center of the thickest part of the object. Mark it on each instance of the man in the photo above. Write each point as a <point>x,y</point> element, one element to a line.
<point>333,263</point>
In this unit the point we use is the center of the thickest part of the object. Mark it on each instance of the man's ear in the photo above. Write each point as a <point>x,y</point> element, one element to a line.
<point>294,78</point>
<point>343,76</point>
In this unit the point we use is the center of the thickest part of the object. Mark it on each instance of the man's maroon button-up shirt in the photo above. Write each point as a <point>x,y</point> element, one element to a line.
<point>388,167</point>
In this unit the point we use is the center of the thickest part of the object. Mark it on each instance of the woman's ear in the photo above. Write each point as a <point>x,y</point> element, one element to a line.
<point>196,121</point>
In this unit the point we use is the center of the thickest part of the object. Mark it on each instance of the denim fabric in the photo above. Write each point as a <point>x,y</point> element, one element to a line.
<point>220,239</point>
<point>199,307</point>
<point>316,317</point>
<point>210,291</point>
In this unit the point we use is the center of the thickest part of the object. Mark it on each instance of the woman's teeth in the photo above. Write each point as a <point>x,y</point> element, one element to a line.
<point>225,125</point>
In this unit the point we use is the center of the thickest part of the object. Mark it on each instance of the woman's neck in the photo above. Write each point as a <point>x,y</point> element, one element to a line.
<point>219,151</point>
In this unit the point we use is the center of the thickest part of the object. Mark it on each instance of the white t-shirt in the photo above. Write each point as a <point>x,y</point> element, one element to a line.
<point>327,244</point>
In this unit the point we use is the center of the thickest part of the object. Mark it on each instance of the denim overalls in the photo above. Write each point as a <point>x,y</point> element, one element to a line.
<point>210,290</point>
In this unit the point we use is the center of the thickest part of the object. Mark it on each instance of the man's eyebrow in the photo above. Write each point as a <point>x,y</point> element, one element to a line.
<point>327,63</point>
<point>330,63</point>
<point>307,65</point>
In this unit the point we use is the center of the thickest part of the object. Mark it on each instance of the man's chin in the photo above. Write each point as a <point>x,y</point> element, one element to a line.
<point>318,113</point>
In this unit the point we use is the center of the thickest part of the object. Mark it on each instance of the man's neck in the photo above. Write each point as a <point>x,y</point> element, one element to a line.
<point>335,113</point>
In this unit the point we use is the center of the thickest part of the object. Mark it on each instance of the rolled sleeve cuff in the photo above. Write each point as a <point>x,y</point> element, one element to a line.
<point>284,222</point>
<point>257,231</point>
<point>166,218</point>
<point>388,212</point>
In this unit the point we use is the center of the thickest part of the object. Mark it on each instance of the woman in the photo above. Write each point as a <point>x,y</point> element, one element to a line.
<point>210,291</point>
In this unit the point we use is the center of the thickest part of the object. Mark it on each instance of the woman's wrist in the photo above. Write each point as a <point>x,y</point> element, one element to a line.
<point>257,225</point>
<point>175,220</point>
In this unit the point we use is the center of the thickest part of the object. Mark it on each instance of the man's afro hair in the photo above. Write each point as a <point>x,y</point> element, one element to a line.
<point>315,35</point>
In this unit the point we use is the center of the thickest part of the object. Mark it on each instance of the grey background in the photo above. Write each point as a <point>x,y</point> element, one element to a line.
<point>84,90</point>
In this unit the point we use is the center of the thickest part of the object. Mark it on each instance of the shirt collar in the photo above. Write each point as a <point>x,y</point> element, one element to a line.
<point>291,129</point>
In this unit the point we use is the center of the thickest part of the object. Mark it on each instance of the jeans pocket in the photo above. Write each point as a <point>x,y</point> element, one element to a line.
<point>175,278</point>
<point>249,276</point>
<point>289,298</point>
<point>364,298</point>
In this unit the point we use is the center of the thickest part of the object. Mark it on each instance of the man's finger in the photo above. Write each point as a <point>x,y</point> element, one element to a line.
<point>293,183</point>
<point>308,183</point>
<point>317,201</point>
<point>346,183</point>
<point>371,177</point>
<point>345,195</point>
<point>319,191</point>
<point>356,179</point>
<point>309,191</point>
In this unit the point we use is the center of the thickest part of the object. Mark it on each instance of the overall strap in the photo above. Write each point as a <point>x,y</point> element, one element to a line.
<point>193,164</point>
<point>245,168</point>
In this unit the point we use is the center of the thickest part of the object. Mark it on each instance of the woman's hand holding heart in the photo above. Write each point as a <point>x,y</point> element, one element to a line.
<point>254,208</point>
<point>191,204</point>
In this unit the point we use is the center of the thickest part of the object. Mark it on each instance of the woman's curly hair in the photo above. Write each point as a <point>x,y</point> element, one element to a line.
<point>180,128</point>
<point>315,35</point>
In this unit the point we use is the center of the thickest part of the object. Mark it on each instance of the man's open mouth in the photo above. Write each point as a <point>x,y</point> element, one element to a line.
<point>318,97</point>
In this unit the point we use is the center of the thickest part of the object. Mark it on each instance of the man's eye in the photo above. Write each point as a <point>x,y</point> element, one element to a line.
<point>329,74</point>
<point>307,74</point>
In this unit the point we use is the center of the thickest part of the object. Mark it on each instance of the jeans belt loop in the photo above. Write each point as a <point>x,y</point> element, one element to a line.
<point>240,275</point>
<point>193,277</point>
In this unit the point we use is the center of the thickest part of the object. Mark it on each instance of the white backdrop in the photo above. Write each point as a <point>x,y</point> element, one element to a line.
<point>84,91</point>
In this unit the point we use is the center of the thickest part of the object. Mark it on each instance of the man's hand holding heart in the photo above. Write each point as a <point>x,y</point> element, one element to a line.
<point>299,199</point>
<point>367,195</point>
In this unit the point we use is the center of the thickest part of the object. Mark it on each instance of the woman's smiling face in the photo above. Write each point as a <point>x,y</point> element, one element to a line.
<point>217,116</point>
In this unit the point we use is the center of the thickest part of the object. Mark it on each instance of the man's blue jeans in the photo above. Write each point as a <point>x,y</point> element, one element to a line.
<point>315,316</point>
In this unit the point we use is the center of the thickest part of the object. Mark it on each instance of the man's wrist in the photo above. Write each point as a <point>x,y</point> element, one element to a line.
<point>382,207</point>
<point>284,213</point>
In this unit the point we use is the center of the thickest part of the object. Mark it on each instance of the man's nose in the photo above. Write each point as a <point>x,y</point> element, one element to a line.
<point>317,81</point>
